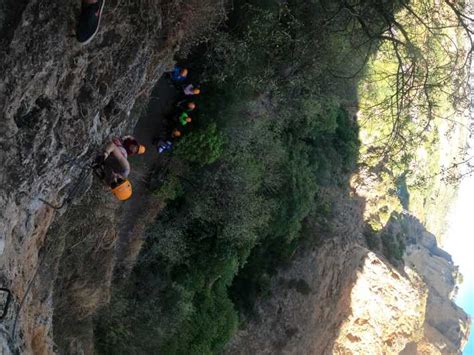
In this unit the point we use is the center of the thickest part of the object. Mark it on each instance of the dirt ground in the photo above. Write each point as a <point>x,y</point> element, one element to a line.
<point>101,249</point>
<point>143,207</point>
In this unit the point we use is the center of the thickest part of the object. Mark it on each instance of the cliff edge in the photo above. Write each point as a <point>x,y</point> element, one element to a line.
<point>354,301</point>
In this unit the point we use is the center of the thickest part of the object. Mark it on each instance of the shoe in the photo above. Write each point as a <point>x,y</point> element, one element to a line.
<point>89,21</point>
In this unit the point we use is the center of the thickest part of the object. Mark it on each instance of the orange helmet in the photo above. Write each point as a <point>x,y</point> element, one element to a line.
<point>141,149</point>
<point>176,133</point>
<point>188,119</point>
<point>196,91</point>
<point>191,105</point>
<point>184,72</point>
<point>123,191</point>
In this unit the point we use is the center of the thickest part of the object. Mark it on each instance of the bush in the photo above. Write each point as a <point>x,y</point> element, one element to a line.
<point>201,147</point>
<point>171,188</point>
<point>393,246</point>
<point>270,142</point>
<point>372,239</point>
<point>210,326</point>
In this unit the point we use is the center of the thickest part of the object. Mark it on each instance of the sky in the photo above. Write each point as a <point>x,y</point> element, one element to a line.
<point>460,235</point>
<point>460,244</point>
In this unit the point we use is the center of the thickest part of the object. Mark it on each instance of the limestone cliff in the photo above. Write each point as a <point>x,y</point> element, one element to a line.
<point>446,327</point>
<point>355,302</point>
<point>357,305</point>
<point>59,101</point>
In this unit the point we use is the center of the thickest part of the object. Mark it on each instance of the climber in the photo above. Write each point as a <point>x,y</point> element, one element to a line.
<point>176,133</point>
<point>164,146</point>
<point>113,167</point>
<point>184,119</point>
<point>186,106</point>
<point>129,146</point>
<point>89,20</point>
<point>178,74</point>
<point>191,90</point>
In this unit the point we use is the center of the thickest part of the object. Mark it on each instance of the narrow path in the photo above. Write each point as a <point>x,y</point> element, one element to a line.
<point>136,212</point>
<point>162,101</point>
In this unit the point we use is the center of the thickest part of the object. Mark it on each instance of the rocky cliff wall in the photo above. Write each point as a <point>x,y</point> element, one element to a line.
<point>357,305</point>
<point>447,326</point>
<point>355,302</point>
<point>59,101</point>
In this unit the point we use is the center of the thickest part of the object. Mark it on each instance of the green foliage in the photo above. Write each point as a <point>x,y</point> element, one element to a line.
<point>170,189</point>
<point>372,239</point>
<point>411,94</point>
<point>237,213</point>
<point>209,327</point>
<point>402,192</point>
<point>393,246</point>
<point>112,332</point>
<point>201,147</point>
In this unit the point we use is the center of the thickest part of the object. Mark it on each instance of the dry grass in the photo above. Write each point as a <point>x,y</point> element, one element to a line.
<point>151,207</point>
<point>81,247</point>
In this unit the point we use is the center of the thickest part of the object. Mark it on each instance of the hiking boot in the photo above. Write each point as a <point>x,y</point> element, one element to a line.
<point>89,21</point>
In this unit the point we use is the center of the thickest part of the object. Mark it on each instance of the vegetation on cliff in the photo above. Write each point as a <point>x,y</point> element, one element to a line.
<point>276,125</point>
<point>413,102</point>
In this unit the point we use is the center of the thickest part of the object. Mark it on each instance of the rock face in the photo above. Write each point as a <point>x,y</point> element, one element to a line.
<point>357,305</point>
<point>446,327</point>
<point>386,310</point>
<point>355,302</point>
<point>59,101</point>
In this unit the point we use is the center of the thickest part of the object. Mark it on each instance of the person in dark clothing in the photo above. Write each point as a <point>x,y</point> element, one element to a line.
<point>186,106</point>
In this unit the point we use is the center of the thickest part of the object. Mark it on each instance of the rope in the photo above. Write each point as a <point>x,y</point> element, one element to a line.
<point>85,172</point>
<point>13,332</point>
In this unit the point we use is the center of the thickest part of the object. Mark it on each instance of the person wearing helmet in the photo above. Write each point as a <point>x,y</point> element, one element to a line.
<point>176,133</point>
<point>178,74</point>
<point>129,146</point>
<point>191,106</point>
<point>186,106</point>
<point>115,164</point>
<point>113,168</point>
<point>191,90</point>
<point>184,119</point>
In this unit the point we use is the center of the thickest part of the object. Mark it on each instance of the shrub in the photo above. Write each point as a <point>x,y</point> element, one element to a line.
<point>393,246</point>
<point>201,147</point>
<point>170,189</point>
<point>271,141</point>
<point>372,239</point>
